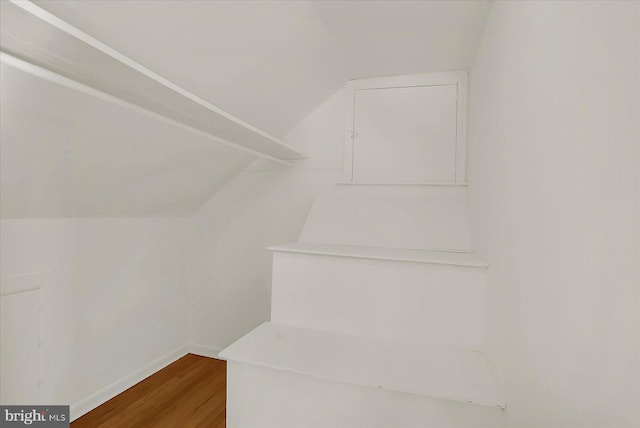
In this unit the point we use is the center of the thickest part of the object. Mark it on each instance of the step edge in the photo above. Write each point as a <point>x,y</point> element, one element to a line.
<point>416,184</point>
<point>231,353</point>
<point>499,404</point>
<point>289,248</point>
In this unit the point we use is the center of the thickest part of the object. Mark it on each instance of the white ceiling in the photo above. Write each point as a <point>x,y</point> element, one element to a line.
<point>272,62</point>
<point>66,154</point>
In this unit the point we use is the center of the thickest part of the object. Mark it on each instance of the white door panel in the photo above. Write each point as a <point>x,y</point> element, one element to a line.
<point>405,135</point>
<point>19,348</point>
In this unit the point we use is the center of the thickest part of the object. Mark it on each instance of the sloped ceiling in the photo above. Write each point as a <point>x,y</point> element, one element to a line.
<point>272,62</point>
<point>65,154</point>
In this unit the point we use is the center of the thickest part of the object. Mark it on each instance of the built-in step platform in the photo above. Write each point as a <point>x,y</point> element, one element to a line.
<point>377,319</point>
<point>399,294</point>
<point>376,253</point>
<point>437,372</point>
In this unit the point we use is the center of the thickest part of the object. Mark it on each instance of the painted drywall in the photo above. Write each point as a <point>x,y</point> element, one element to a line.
<point>114,295</point>
<point>230,267</point>
<point>67,154</point>
<point>554,195</point>
<point>271,63</point>
<point>90,158</point>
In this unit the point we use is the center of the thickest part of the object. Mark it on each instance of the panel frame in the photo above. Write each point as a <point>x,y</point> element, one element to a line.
<point>457,78</point>
<point>28,283</point>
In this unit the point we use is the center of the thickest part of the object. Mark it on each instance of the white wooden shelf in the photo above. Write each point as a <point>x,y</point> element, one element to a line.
<point>31,35</point>
<point>446,373</point>
<point>395,254</point>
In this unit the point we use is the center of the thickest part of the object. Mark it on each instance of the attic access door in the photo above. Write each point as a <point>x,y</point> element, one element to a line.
<point>407,129</point>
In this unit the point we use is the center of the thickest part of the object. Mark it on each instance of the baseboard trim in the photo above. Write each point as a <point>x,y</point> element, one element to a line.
<point>107,393</point>
<point>205,350</point>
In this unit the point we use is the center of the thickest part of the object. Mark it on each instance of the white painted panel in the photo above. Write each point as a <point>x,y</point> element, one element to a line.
<point>19,347</point>
<point>403,301</point>
<point>113,298</point>
<point>267,398</point>
<point>429,371</point>
<point>405,134</point>
<point>417,217</point>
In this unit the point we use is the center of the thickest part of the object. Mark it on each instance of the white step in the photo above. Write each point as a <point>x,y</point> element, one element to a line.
<point>268,398</point>
<point>437,372</point>
<point>389,294</point>
<point>387,375</point>
<point>416,217</point>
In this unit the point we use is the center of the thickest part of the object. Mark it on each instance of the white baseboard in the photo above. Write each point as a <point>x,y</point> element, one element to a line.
<point>205,350</point>
<point>107,393</point>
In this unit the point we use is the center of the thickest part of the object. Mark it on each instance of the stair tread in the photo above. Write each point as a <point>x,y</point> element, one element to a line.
<point>404,184</point>
<point>437,372</point>
<point>396,254</point>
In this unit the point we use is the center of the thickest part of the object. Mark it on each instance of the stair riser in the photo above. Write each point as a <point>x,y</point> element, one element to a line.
<point>267,398</point>
<point>402,301</point>
<point>391,217</point>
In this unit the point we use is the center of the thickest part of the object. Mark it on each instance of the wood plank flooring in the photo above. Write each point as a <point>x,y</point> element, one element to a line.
<point>190,392</point>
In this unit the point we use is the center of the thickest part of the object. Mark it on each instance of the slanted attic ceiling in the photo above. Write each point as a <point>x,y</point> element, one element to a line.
<point>270,64</point>
<point>67,154</point>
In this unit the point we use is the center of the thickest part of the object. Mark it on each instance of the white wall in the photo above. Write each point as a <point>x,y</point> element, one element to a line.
<point>62,156</point>
<point>554,195</point>
<point>117,288</point>
<point>230,284</point>
<point>115,296</point>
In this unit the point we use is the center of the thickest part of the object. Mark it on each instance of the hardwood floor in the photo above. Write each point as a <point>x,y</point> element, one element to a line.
<point>190,392</point>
